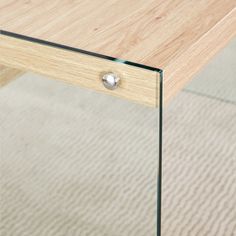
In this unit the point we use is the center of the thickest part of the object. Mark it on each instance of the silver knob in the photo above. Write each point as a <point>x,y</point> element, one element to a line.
<point>110,80</point>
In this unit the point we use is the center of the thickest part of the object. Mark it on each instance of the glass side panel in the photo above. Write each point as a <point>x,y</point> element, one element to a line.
<point>75,162</point>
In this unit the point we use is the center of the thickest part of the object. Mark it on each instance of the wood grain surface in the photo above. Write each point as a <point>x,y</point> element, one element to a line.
<point>138,85</point>
<point>8,74</point>
<point>178,73</point>
<point>177,36</point>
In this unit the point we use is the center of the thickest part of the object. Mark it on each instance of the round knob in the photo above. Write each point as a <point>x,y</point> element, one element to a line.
<point>110,80</point>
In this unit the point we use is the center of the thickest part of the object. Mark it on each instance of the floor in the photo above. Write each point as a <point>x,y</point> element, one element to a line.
<point>78,163</point>
<point>200,153</point>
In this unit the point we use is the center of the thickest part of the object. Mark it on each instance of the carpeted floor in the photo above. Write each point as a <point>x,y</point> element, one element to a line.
<point>199,192</point>
<point>76,163</point>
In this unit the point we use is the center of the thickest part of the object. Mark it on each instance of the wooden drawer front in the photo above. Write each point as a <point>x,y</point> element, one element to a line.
<point>137,84</point>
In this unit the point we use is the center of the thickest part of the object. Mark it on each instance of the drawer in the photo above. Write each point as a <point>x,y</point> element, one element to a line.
<point>138,83</point>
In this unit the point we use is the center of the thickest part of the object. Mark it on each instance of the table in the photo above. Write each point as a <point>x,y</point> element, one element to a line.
<point>178,37</point>
<point>141,42</point>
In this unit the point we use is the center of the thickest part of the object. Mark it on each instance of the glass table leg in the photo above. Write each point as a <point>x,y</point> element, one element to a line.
<point>76,162</point>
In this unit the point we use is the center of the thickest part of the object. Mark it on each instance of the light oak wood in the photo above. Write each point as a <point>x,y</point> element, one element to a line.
<point>177,36</point>
<point>193,59</point>
<point>151,32</point>
<point>138,85</point>
<point>8,74</point>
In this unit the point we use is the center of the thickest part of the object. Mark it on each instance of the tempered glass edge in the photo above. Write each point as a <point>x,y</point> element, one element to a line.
<point>160,154</point>
<point>61,46</point>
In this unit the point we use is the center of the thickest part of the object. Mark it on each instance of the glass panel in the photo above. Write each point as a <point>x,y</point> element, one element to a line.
<point>199,172</point>
<point>76,162</point>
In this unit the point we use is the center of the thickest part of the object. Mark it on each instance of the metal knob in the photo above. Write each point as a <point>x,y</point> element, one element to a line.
<point>110,80</point>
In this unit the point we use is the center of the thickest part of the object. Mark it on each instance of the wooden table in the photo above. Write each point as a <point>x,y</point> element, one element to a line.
<point>141,41</point>
<point>148,37</point>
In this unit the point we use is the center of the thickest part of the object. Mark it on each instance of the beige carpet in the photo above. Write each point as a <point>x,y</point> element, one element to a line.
<point>199,192</point>
<point>76,163</point>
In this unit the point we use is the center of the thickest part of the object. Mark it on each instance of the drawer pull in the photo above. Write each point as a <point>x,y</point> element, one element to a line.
<point>110,80</point>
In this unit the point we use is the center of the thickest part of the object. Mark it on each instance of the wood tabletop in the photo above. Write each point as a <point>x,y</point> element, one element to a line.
<point>177,36</point>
